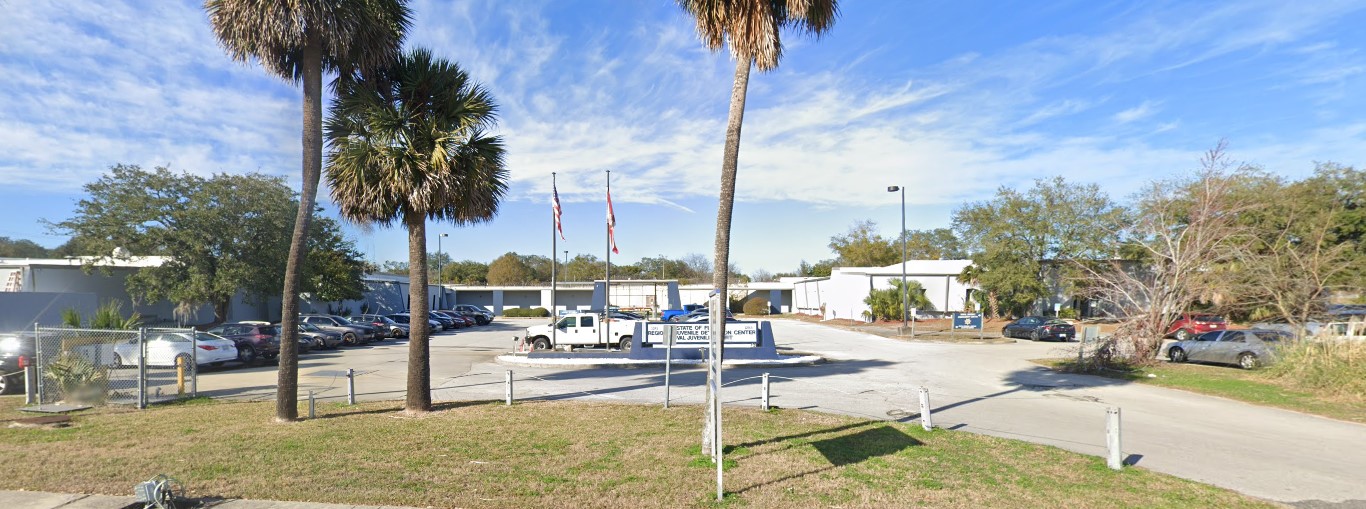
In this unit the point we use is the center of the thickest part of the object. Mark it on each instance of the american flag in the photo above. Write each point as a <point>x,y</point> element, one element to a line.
<point>555,204</point>
<point>611,223</point>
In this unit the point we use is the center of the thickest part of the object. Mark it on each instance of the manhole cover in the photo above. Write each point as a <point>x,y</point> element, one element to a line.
<point>898,413</point>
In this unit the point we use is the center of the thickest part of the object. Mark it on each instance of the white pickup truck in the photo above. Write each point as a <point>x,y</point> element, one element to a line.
<point>582,329</point>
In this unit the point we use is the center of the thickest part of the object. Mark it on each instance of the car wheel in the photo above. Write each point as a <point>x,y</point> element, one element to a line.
<point>1176,354</point>
<point>349,339</point>
<point>118,362</point>
<point>9,384</point>
<point>247,355</point>
<point>540,344</point>
<point>1034,336</point>
<point>1182,335</point>
<point>625,343</point>
<point>1248,360</point>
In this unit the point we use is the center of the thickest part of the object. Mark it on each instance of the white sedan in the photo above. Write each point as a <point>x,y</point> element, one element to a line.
<point>163,348</point>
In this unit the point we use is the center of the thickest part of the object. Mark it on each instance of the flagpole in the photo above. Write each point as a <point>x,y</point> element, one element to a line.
<point>607,286</point>
<point>554,248</point>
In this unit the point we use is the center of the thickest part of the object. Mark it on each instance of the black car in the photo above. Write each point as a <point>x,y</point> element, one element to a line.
<point>254,339</point>
<point>16,353</point>
<point>1039,328</point>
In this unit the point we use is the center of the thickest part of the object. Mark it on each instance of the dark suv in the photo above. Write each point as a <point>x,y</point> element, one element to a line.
<point>254,339</point>
<point>16,353</point>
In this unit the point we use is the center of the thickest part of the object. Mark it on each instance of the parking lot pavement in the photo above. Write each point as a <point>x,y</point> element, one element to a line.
<point>991,389</point>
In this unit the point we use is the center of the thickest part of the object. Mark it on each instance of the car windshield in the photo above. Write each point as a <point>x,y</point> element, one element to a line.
<point>1055,322</point>
<point>1208,318</point>
<point>204,336</point>
<point>308,327</point>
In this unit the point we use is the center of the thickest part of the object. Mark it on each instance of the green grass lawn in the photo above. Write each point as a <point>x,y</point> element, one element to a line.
<point>1233,383</point>
<point>567,454</point>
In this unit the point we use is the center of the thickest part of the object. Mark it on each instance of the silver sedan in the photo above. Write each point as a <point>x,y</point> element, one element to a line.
<point>1245,348</point>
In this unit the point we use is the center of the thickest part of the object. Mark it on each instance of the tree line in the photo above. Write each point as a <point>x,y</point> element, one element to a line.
<point>513,269</point>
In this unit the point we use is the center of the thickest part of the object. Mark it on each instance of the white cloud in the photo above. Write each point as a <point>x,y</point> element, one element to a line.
<point>1136,113</point>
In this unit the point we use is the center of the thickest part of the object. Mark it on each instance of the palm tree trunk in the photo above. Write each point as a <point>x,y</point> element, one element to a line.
<point>419,397</point>
<point>287,386</point>
<point>721,268</point>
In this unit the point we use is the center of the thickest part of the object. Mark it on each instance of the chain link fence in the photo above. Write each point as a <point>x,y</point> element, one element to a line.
<point>114,367</point>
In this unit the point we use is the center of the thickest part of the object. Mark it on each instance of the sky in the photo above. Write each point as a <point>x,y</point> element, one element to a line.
<point>949,99</point>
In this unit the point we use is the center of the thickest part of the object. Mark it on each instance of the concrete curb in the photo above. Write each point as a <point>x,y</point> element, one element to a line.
<point>521,360</point>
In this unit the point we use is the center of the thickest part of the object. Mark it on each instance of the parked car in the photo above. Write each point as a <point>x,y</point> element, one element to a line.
<point>1039,328</point>
<point>696,312</point>
<point>352,333</point>
<point>1189,325</point>
<point>255,340</point>
<point>16,353</point>
<point>475,310</point>
<point>178,348</point>
<point>474,318</point>
<point>1245,348</point>
<point>447,323</point>
<point>405,318</point>
<point>385,324</point>
<point>1311,327</point>
<point>668,315</point>
<point>321,339</point>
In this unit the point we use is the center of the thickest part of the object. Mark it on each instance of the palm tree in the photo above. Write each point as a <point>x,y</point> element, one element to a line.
<point>298,40</point>
<point>751,29</point>
<point>407,144</point>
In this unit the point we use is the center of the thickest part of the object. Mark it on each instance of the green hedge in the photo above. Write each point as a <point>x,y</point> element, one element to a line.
<point>756,306</point>
<point>526,313</point>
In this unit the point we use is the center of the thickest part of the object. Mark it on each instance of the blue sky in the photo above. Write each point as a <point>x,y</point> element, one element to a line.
<point>950,99</point>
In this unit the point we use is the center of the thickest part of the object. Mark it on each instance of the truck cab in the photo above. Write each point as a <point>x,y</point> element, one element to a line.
<point>581,329</point>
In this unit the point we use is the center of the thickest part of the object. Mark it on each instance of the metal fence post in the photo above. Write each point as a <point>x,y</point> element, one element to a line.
<point>925,420</point>
<point>142,368</point>
<point>38,364</point>
<point>508,391</point>
<point>194,364</point>
<point>668,359</point>
<point>1115,458</point>
<point>350,386</point>
<point>763,394</point>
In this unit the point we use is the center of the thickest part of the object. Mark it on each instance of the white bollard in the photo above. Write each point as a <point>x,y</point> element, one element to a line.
<point>763,394</point>
<point>312,406</point>
<point>509,387</point>
<point>1115,458</point>
<point>925,420</point>
<point>350,386</point>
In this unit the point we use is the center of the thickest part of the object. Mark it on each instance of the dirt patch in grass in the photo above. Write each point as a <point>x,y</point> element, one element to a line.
<point>1251,386</point>
<point>570,454</point>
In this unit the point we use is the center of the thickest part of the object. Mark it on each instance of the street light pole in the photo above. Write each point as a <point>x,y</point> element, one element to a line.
<point>440,270</point>
<point>905,292</point>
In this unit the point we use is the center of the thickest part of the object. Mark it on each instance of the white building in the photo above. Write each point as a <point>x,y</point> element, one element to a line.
<point>841,294</point>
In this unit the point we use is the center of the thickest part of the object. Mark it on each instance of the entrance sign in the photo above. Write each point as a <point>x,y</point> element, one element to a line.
<point>967,320</point>
<point>738,334</point>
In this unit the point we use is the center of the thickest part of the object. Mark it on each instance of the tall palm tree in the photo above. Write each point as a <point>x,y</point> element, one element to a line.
<point>298,40</point>
<point>751,29</point>
<point>407,144</point>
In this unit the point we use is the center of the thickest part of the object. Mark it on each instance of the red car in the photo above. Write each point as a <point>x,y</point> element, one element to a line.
<point>1189,325</point>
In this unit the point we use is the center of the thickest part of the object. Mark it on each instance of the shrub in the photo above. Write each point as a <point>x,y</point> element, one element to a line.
<point>885,304</point>
<point>756,306</point>
<point>526,313</point>
<point>1332,368</point>
<point>110,316</point>
<point>1068,313</point>
<point>78,379</point>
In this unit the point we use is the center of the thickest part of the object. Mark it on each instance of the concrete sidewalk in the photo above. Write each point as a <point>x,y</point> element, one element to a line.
<point>46,500</point>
